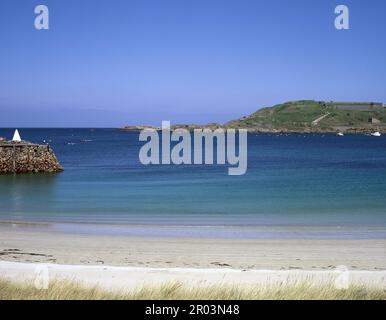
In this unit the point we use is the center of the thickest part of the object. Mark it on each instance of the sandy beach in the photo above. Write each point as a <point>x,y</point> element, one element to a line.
<point>114,261</point>
<point>122,278</point>
<point>39,243</point>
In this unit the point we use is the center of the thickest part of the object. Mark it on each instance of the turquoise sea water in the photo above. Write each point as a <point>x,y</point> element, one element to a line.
<point>292,180</point>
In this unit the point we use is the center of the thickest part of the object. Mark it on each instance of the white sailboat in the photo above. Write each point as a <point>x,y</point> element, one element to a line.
<point>340,134</point>
<point>376,134</point>
<point>16,136</point>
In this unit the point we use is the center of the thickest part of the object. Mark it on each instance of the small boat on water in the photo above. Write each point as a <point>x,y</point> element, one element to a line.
<point>340,134</point>
<point>376,134</point>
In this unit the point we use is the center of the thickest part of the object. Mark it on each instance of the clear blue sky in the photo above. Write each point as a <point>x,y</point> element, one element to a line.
<point>111,63</point>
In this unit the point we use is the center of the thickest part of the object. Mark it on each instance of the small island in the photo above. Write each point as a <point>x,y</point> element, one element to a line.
<point>304,116</point>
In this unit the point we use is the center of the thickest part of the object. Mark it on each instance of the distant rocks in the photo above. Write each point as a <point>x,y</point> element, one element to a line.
<point>139,128</point>
<point>26,157</point>
<point>189,127</point>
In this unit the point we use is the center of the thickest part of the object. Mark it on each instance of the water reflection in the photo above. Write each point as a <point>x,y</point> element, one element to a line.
<point>27,193</point>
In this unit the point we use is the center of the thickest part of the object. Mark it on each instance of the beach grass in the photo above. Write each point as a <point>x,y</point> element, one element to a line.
<point>64,290</point>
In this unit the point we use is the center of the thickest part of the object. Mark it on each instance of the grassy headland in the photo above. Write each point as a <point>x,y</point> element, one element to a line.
<point>311,116</point>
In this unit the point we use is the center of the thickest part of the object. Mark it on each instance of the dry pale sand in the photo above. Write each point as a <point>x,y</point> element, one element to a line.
<point>136,277</point>
<point>131,261</point>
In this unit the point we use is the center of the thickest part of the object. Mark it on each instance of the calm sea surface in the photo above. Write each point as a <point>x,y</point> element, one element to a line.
<point>292,181</point>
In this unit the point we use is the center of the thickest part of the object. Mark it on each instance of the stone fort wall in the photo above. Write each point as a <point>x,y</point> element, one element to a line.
<point>358,105</point>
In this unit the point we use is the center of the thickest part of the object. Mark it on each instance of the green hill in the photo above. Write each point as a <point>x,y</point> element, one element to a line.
<point>315,116</point>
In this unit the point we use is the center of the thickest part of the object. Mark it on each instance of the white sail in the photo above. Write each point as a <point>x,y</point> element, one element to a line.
<point>16,136</point>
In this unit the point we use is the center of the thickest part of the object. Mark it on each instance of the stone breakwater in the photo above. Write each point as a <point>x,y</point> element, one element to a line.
<point>27,158</point>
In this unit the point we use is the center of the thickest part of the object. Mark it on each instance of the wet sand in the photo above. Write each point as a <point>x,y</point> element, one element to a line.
<point>41,244</point>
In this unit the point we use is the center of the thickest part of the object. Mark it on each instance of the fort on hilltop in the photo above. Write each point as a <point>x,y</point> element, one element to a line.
<point>359,106</point>
<point>316,116</point>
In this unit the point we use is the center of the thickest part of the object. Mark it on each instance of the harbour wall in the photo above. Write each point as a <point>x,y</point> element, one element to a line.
<point>27,158</point>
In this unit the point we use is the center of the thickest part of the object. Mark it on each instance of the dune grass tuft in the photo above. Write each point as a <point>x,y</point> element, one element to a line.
<point>177,291</point>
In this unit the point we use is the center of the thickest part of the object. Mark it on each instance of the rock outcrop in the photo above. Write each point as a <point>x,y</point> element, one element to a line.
<point>25,157</point>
